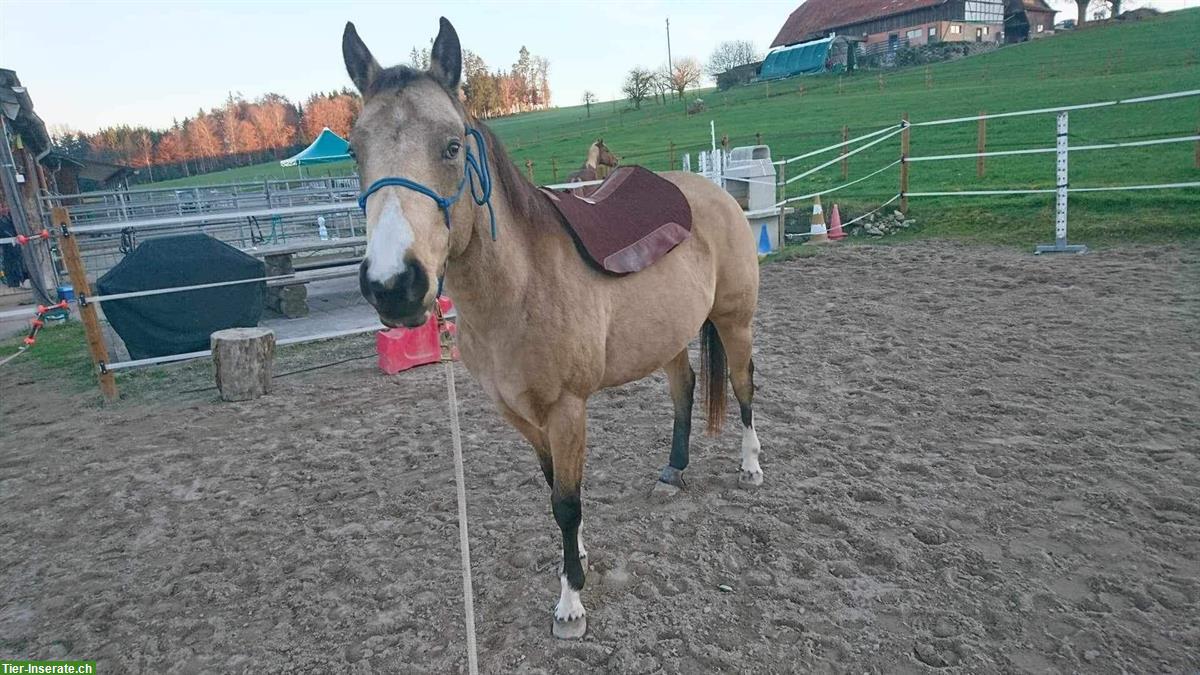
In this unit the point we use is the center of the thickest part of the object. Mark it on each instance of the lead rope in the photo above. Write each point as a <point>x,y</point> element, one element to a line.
<point>464,544</point>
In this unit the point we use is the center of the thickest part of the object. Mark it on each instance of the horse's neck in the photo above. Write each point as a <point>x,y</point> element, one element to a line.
<point>593,157</point>
<point>485,276</point>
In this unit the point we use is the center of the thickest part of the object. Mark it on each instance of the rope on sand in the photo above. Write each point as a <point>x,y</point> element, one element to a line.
<point>464,544</point>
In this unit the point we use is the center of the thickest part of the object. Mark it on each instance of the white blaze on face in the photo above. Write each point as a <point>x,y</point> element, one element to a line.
<point>389,241</point>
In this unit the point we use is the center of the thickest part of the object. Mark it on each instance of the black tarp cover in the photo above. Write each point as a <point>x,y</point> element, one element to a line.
<point>177,323</point>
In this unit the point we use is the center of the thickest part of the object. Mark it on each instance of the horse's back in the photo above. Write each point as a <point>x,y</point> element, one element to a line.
<point>654,313</point>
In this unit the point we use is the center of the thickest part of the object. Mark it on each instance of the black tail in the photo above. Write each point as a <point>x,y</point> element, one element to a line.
<point>714,372</point>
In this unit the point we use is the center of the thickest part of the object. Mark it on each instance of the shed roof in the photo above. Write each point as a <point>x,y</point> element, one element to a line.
<point>16,105</point>
<point>815,18</point>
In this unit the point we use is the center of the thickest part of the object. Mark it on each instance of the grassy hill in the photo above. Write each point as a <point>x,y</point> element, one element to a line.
<point>1119,60</point>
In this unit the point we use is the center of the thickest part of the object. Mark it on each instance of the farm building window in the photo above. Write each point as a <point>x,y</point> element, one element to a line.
<point>955,29</point>
<point>913,34</point>
<point>1041,28</point>
<point>985,11</point>
<point>933,31</point>
<point>986,30</point>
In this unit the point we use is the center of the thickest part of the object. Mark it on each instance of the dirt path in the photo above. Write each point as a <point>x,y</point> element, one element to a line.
<point>974,458</point>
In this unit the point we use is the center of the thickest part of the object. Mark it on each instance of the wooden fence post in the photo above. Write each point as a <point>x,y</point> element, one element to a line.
<point>69,247</point>
<point>671,155</point>
<point>839,88</point>
<point>529,169</point>
<point>928,78</point>
<point>758,138</point>
<point>904,148</point>
<point>880,82</point>
<point>554,168</point>
<point>845,149</point>
<point>981,146</point>
<point>1198,146</point>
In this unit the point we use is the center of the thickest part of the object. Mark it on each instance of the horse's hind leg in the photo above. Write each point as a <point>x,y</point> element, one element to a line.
<point>736,336</point>
<point>682,381</point>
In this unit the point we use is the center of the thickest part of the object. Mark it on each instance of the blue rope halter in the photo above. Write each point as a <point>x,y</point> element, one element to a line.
<point>475,171</point>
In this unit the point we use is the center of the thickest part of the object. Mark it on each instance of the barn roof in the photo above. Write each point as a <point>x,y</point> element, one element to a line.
<point>815,18</point>
<point>1037,6</point>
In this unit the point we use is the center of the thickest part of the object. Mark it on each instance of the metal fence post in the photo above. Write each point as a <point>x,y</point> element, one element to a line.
<point>1060,244</point>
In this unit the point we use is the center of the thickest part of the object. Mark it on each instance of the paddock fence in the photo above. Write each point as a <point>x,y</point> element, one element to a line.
<point>1061,186</point>
<point>226,210</point>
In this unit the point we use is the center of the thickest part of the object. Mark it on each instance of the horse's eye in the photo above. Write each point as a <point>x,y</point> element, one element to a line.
<point>452,149</point>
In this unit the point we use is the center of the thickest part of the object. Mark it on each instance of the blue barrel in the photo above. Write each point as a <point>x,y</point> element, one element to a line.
<point>66,292</point>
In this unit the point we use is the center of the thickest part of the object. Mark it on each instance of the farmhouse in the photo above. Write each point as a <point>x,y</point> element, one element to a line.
<point>1027,19</point>
<point>891,24</point>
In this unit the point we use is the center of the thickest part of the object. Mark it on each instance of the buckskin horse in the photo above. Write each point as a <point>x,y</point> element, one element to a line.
<point>598,155</point>
<point>539,327</point>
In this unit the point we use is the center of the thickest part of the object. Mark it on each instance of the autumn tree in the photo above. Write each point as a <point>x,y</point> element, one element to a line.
<point>588,99</point>
<point>145,146</point>
<point>731,54</point>
<point>637,85</point>
<point>685,73</point>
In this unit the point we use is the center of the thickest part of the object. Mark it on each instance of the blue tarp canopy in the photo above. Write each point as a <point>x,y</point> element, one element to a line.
<point>804,58</point>
<point>329,147</point>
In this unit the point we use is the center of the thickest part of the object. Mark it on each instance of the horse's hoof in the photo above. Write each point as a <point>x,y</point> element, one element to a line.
<point>750,479</point>
<point>664,490</point>
<point>570,629</point>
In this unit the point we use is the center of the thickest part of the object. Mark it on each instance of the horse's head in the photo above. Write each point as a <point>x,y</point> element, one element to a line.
<point>411,143</point>
<point>607,158</point>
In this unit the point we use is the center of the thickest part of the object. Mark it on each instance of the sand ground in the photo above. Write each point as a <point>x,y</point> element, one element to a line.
<point>976,460</point>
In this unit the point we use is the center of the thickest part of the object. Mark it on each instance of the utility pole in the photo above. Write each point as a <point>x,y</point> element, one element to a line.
<point>670,66</point>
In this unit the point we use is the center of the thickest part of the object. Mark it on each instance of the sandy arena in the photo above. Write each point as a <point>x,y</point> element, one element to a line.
<point>976,460</point>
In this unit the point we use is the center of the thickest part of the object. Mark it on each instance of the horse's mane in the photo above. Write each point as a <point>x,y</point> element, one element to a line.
<point>524,198</point>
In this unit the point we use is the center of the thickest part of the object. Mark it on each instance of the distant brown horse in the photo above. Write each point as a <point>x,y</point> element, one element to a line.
<point>538,327</point>
<point>598,156</point>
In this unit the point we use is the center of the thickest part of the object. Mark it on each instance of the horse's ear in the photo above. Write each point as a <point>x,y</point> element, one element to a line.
<point>361,66</point>
<point>445,61</point>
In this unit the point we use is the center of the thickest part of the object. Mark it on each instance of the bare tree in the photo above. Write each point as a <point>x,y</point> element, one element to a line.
<point>662,82</point>
<point>731,54</point>
<point>637,85</point>
<point>686,73</point>
<point>588,99</point>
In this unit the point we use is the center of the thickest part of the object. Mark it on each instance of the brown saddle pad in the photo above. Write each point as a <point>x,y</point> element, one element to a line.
<point>634,218</point>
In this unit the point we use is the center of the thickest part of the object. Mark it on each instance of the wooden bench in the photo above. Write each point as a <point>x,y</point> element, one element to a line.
<point>289,297</point>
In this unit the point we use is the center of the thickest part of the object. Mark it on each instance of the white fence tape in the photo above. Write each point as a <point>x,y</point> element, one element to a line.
<point>1110,188</point>
<point>1073,148</point>
<point>840,187</point>
<point>175,358</point>
<point>835,160</point>
<point>1067,108</point>
<point>835,146</point>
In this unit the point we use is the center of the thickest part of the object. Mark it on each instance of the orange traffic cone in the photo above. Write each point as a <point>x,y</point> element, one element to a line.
<point>835,225</point>
<point>817,232</point>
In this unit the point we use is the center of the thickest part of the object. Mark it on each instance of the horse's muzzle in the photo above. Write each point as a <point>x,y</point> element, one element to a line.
<point>400,299</point>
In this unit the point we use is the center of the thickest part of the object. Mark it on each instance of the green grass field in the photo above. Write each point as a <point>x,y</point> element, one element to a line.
<point>1115,61</point>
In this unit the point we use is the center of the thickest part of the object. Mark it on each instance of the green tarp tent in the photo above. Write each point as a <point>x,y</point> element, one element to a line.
<point>329,147</point>
<point>804,58</point>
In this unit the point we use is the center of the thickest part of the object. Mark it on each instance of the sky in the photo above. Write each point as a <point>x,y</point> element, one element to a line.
<point>92,64</point>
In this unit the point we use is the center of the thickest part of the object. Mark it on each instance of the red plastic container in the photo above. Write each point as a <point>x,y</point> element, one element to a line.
<point>403,348</point>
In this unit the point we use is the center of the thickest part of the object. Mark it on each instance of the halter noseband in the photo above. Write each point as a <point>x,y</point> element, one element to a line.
<point>475,171</point>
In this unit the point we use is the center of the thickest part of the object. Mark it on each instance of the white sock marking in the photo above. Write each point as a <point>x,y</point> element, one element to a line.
<point>569,606</point>
<point>390,238</point>
<point>750,450</point>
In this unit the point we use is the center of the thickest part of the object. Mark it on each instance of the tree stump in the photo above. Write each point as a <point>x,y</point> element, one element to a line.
<point>244,359</point>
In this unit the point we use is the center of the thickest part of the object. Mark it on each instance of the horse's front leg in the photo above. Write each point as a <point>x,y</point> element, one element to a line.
<point>566,432</point>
